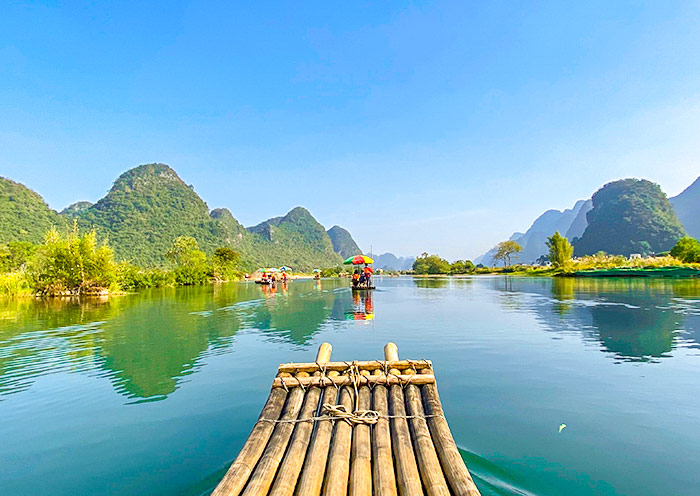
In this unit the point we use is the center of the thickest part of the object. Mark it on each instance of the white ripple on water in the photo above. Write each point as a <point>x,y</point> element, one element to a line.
<point>36,353</point>
<point>203,313</point>
<point>241,305</point>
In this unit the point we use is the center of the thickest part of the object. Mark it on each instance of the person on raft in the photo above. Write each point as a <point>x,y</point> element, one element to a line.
<point>355,278</point>
<point>368,276</point>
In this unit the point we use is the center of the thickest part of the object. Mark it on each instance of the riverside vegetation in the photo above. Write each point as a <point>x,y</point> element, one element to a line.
<point>75,263</point>
<point>560,260</point>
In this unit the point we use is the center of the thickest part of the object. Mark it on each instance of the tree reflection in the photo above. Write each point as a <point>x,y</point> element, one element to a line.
<point>431,282</point>
<point>632,319</point>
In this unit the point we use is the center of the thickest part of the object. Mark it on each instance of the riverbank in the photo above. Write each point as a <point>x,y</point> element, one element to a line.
<point>588,265</point>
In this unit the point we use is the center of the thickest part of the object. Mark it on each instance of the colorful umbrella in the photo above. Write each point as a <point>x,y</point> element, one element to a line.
<point>261,270</point>
<point>272,269</point>
<point>317,270</point>
<point>358,260</point>
<point>284,268</point>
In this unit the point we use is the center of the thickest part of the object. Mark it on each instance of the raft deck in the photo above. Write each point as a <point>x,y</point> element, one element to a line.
<point>358,428</point>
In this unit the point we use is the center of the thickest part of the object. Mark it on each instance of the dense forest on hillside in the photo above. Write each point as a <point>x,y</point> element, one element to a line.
<point>343,243</point>
<point>24,216</point>
<point>149,206</point>
<point>630,216</point>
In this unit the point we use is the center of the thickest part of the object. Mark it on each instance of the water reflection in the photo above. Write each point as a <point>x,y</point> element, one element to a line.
<point>291,312</point>
<point>147,342</point>
<point>431,282</point>
<point>632,319</point>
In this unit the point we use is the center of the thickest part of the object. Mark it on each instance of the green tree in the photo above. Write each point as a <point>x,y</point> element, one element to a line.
<point>15,254</point>
<point>431,264</point>
<point>190,263</point>
<point>225,263</point>
<point>73,264</point>
<point>687,249</point>
<point>461,267</point>
<point>560,250</point>
<point>505,250</point>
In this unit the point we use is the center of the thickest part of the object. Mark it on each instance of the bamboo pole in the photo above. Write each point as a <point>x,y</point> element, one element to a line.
<point>382,463</point>
<point>338,461</point>
<point>456,471</point>
<point>288,473</point>
<point>311,479</point>
<point>391,352</point>
<point>361,460</point>
<point>261,480</point>
<point>406,469</point>
<point>428,463</point>
<point>293,368</point>
<point>346,380</point>
<point>324,354</point>
<point>407,474</point>
<point>240,470</point>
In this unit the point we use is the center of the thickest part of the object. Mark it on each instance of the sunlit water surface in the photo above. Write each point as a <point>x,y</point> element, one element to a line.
<point>155,393</point>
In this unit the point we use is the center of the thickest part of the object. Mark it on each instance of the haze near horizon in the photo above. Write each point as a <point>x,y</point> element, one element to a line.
<point>436,126</point>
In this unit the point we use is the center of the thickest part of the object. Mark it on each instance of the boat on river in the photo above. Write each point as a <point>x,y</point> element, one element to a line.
<point>358,428</point>
<point>659,272</point>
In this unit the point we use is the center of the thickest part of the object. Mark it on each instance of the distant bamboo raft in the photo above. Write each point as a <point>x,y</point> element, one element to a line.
<point>357,428</point>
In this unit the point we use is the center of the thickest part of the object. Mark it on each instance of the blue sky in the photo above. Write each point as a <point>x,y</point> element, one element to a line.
<point>418,126</point>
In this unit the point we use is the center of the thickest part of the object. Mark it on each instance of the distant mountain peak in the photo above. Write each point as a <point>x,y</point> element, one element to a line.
<point>687,206</point>
<point>143,176</point>
<point>533,241</point>
<point>76,208</point>
<point>343,244</point>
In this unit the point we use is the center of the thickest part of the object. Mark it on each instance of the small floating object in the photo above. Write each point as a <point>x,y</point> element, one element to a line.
<point>358,428</point>
<point>562,427</point>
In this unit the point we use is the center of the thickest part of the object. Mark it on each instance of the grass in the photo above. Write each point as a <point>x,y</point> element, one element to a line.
<point>15,284</point>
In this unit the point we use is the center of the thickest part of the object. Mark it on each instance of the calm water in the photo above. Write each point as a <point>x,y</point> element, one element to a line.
<point>155,393</point>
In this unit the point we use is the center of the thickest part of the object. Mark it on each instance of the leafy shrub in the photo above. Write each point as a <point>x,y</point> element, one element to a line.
<point>431,264</point>
<point>72,264</point>
<point>14,284</point>
<point>687,250</point>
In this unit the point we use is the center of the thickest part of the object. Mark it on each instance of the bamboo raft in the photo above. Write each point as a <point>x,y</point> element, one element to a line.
<point>359,428</point>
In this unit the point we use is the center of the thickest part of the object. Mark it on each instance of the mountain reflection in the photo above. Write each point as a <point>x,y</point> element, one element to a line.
<point>145,343</point>
<point>292,312</point>
<point>633,319</point>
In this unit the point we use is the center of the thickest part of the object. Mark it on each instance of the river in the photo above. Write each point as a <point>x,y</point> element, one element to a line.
<point>154,393</point>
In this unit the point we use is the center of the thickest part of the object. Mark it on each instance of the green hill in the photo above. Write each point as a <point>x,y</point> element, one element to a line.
<point>343,244</point>
<point>24,216</point>
<point>149,206</point>
<point>629,216</point>
<point>296,239</point>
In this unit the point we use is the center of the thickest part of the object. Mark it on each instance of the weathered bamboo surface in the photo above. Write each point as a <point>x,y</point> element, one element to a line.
<point>358,428</point>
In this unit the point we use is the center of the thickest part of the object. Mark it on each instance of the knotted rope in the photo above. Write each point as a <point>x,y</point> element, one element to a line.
<point>357,417</point>
<point>341,412</point>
